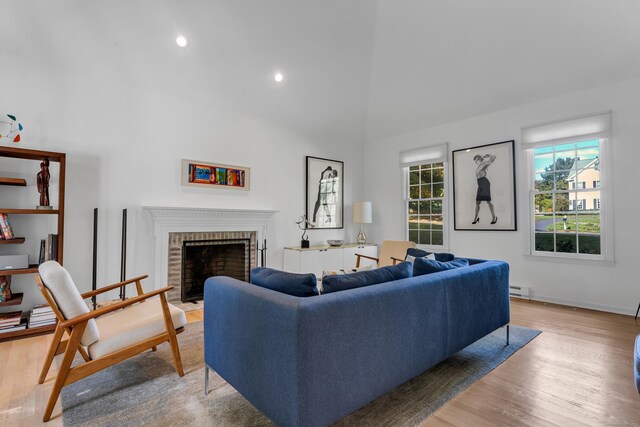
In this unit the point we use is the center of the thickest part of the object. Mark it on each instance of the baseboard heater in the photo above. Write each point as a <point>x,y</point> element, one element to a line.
<point>519,292</point>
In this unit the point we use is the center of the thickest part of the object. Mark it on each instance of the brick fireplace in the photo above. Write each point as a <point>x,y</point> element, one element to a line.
<point>173,226</point>
<point>196,256</point>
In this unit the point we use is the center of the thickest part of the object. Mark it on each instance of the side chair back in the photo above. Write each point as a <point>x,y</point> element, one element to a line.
<point>393,250</point>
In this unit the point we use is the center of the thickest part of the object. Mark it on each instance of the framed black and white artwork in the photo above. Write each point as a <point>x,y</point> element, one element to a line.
<point>484,187</point>
<point>325,193</point>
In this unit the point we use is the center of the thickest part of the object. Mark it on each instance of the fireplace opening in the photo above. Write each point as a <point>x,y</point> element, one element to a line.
<point>202,259</point>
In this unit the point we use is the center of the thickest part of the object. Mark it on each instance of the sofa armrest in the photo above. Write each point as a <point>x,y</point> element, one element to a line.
<point>250,339</point>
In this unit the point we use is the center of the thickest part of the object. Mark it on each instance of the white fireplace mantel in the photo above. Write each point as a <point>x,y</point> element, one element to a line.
<point>167,220</point>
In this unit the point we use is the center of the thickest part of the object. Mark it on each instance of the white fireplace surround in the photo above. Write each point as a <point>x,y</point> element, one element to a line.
<point>167,220</point>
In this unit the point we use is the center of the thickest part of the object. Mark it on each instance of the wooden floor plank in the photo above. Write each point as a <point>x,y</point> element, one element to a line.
<point>577,372</point>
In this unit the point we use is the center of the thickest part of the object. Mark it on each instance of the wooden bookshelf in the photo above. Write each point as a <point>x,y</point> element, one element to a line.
<point>30,211</point>
<point>33,268</point>
<point>15,182</point>
<point>37,156</point>
<point>14,241</point>
<point>27,332</point>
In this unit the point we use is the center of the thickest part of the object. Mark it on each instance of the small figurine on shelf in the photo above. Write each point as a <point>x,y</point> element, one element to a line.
<point>43,185</point>
<point>304,225</point>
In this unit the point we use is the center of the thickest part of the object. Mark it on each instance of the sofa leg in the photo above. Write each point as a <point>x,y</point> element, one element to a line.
<point>206,379</point>
<point>507,334</point>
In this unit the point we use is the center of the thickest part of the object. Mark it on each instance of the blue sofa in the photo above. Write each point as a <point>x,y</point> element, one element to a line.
<point>311,361</point>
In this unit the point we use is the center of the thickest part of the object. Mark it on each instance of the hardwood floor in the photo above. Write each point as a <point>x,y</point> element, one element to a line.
<point>579,371</point>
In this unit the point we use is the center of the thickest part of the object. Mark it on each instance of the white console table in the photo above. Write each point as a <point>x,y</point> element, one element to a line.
<point>318,258</point>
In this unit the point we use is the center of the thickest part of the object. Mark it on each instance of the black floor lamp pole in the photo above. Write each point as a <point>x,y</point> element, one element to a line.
<point>123,255</point>
<point>95,255</point>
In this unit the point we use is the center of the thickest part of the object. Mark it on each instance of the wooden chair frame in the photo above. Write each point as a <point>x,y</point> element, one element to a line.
<point>75,328</point>
<point>377,260</point>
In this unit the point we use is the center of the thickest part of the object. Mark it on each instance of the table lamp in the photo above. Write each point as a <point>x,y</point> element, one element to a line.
<point>361,215</point>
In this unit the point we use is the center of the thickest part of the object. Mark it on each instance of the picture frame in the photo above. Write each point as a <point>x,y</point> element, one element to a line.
<point>324,190</point>
<point>195,173</point>
<point>484,187</point>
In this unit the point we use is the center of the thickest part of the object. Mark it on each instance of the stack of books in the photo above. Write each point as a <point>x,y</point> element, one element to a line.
<point>12,321</point>
<point>41,315</point>
<point>48,249</point>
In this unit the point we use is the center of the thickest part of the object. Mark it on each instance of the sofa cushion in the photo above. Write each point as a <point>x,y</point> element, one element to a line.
<point>366,278</point>
<point>410,258</point>
<point>133,325</point>
<point>419,253</point>
<point>298,285</point>
<point>427,266</point>
<point>67,297</point>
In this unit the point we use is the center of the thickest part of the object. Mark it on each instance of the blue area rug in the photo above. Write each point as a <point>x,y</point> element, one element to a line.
<point>146,390</point>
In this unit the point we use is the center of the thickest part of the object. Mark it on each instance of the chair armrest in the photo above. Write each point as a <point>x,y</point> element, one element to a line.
<point>396,260</point>
<point>113,307</point>
<point>107,288</point>
<point>367,257</point>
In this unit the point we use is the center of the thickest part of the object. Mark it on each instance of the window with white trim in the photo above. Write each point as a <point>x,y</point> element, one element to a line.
<point>425,189</point>
<point>567,218</point>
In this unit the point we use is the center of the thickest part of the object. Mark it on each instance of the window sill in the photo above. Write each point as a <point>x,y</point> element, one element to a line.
<point>570,260</point>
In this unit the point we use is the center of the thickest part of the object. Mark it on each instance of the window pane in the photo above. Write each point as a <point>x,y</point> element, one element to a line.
<point>589,244</point>
<point>589,176</point>
<point>544,242</point>
<point>543,203</point>
<point>414,236</point>
<point>438,165</point>
<point>561,201</point>
<point>438,175</point>
<point>566,242</point>
<point>436,207</point>
<point>562,180</point>
<point>426,191</point>
<point>436,222</point>
<point>588,223</point>
<point>425,175</point>
<point>414,168</point>
<point>413,208</point>
<point>587,156</point>
<point>565,160</point>
<point>425,209</point>
<point>438,190</point>
<point>543,162</point>
<point>425,237</point>
<point>413,222</point>
<point>414,192</point>
<point>414,178</point>
<point>437,238</point>
<point>425,222</point>
<point>544,223</point>
<point>565,147</point>
<point>591,143</point>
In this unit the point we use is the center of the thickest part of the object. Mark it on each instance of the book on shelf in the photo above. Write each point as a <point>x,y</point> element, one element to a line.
<point>5,227</point>
<point>18,327</point>
<point>11,318</point>
<point>48,249</point>
<point>43,244</point>
<point>41,308</point>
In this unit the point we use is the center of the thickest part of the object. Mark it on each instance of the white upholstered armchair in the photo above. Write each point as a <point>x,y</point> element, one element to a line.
<point>131,327</point>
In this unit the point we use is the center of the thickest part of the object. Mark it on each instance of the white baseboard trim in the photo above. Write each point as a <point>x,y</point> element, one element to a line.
<point>582,304</point>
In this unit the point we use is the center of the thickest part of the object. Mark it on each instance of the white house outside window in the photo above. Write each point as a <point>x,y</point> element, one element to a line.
<point>568,164</point>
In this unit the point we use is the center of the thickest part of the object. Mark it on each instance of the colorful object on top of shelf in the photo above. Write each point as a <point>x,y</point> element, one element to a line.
<point>11,129</point>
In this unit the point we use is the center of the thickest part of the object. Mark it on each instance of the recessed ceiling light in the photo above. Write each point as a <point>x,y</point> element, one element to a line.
<point>279,77</point>
<point>182,41</point>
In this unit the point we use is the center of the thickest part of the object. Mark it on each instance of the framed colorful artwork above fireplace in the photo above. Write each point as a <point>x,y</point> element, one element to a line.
<point>214,175</point>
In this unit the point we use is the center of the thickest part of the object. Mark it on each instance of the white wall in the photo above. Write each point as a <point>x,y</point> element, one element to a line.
<point>124,145</point>
<point>612,288</point>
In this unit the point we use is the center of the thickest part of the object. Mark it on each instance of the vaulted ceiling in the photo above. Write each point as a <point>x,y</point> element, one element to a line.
<point>353,69</point>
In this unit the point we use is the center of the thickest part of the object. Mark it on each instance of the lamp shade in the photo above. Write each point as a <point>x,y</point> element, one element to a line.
<point>362,212</point>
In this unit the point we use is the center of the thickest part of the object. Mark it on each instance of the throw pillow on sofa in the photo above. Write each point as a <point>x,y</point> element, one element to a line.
<point>419,253</point>
<point>427,266</point>
<point>366,278</point>
<point>298,285</point>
